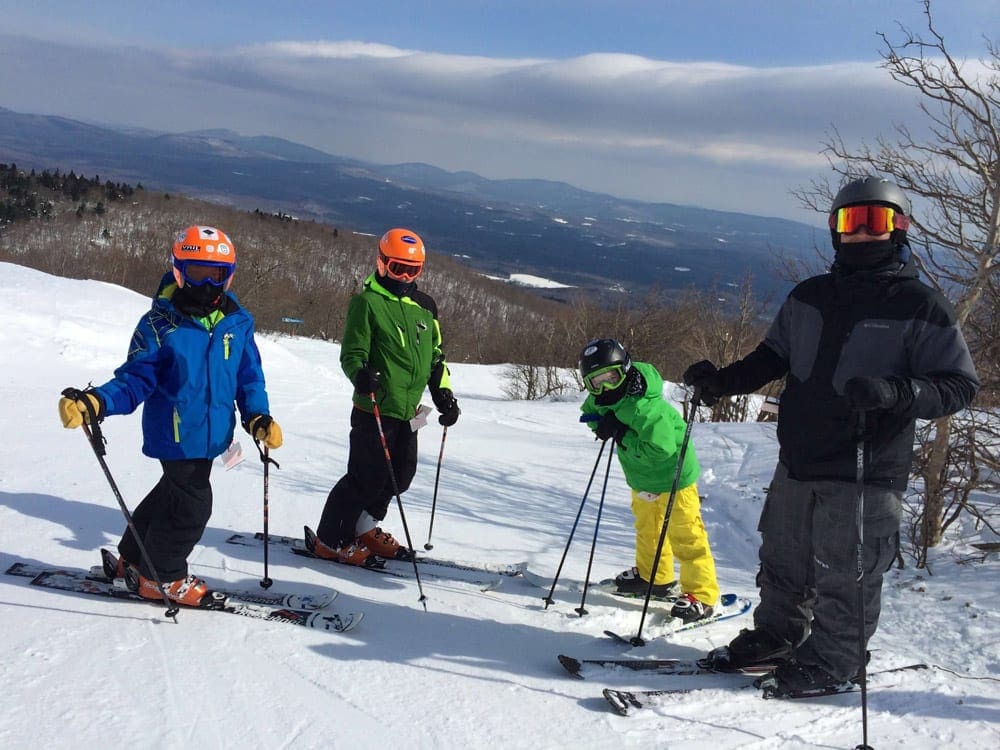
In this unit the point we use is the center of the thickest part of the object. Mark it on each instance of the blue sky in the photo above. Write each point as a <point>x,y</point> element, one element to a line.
<point>716,104</point>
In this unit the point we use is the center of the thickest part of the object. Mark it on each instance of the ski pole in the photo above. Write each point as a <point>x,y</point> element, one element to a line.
<point>862,655</point>
<point>582,610</point>
<point>548,599</point>
<point>437,476</point>
<point>399,500</point>
<point>695,398</point>
<point>96,439</point>
<point>266,459</point>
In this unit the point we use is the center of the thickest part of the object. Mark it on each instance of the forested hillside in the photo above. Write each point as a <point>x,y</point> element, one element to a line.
<point>79,227</point>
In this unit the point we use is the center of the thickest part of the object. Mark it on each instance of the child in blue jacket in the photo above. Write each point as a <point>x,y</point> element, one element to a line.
<point>191,358</point>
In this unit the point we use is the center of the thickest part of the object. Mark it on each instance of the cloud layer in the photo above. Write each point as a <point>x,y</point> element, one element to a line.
<point>702,133</point>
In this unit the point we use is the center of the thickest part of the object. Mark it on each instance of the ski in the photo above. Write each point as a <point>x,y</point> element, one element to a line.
<point>310,602</point>
<point>730,605</point>
<point>768,688</point>
<point>606,586</point>
<point>486,574</point>
<point>624,701</point>
<point>579,668</point>
<point>81,582</point>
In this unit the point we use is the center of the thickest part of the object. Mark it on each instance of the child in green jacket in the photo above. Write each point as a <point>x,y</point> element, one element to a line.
<point>626,398</point>
<point>391,351</point>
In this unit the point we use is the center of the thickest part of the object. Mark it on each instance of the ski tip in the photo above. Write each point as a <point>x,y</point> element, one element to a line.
<point>573,666</point>
<point>619,638</point>
<point>618,700</point>
<point>336,622</point>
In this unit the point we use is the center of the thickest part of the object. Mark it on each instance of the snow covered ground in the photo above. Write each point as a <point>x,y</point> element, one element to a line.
<point>477,669</point>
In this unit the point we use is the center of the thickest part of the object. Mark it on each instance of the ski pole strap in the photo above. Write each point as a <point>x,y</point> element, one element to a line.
<point>95,435</point>
<point>265,458</point>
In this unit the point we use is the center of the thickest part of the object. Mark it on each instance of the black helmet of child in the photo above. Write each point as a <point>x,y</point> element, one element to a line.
<point>601,353</point>
<point>866,190</point>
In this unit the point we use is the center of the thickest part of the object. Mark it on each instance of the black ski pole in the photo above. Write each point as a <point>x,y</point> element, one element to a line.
<point>582,610</point>
<point>548,599</point>
<point>695,399</point>
<point>96,439</point>
<point>862,645</point>
<point>399,500</point>
<point>437,476</point>
<point>266,459</point>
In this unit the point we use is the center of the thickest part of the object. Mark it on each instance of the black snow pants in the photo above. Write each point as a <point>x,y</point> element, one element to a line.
<point>367,486</point>
<point>171,519</point>
<point>808,566</point>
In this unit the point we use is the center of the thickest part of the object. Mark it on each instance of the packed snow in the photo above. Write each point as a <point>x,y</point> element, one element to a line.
<point>477,668</point>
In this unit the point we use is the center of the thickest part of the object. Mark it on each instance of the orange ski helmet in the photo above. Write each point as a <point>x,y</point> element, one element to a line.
<point>204,255</point>
<point>400,255</point>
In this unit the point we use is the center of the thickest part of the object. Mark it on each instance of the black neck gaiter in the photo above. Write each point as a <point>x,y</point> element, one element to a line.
<point>198,301</point>
<point>862,256</point>
<point>394,286</point>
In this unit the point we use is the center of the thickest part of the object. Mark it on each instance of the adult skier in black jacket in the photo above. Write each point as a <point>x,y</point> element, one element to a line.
<point>866,338</point>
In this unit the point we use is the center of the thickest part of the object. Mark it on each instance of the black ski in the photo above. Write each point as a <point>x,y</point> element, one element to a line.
<point>579,668</point>
<point>81,582</point>
<point>485,575</point>
<point>624,701</point>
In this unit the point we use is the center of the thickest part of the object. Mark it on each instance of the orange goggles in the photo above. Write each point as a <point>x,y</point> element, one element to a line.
<point>877,219</point>
<point>401,270</point>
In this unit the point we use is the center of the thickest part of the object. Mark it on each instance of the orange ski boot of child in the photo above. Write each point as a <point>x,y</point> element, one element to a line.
<point>383,544</point>
<point>349,554</point>
<point>187,591</point>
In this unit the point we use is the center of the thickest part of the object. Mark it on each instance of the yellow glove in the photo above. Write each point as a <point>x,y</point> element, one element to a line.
<point>263,428</point>
<point>73,412</point>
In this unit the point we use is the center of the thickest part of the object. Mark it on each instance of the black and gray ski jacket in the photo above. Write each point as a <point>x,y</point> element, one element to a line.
<point>839,325</point>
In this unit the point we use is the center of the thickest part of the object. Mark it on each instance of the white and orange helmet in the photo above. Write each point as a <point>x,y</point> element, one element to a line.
<point>204,255</point>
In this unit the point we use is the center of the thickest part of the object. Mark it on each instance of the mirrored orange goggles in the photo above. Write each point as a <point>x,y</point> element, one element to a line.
<point>877,219</point>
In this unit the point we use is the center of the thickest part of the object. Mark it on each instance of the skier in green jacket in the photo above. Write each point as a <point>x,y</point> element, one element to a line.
<point>626,399</point>
<point>391,350</point>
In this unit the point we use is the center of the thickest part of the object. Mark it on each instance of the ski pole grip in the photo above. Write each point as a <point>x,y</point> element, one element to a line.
<point>590,417</point>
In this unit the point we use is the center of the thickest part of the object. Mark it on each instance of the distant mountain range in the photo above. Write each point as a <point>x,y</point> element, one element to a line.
<point>539,227</point>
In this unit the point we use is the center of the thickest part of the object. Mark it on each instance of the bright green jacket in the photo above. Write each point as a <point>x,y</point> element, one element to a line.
<point>648,452</point>
<point>400,338</point>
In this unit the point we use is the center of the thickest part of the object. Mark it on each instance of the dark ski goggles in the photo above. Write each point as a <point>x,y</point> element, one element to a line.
<point>605,379</point>
<point>877,219</point>
<point>197,273</point>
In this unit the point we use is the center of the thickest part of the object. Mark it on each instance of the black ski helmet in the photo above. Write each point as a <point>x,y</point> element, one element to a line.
<point>875,190</point>
<point>601,353</point>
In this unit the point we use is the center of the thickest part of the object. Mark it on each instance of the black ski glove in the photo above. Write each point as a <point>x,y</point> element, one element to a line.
<point>367,380</point>
<point>865,393</point>
<point>610,427</point>
<point>705,377</point>
<point>446,403</point>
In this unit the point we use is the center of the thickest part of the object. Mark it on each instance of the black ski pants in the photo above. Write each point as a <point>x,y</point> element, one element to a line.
<point>808,566</point>
<point>171,519</point>
<point>367,485</point>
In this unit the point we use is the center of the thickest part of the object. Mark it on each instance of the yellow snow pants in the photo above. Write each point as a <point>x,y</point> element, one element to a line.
<point>686,540</point>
